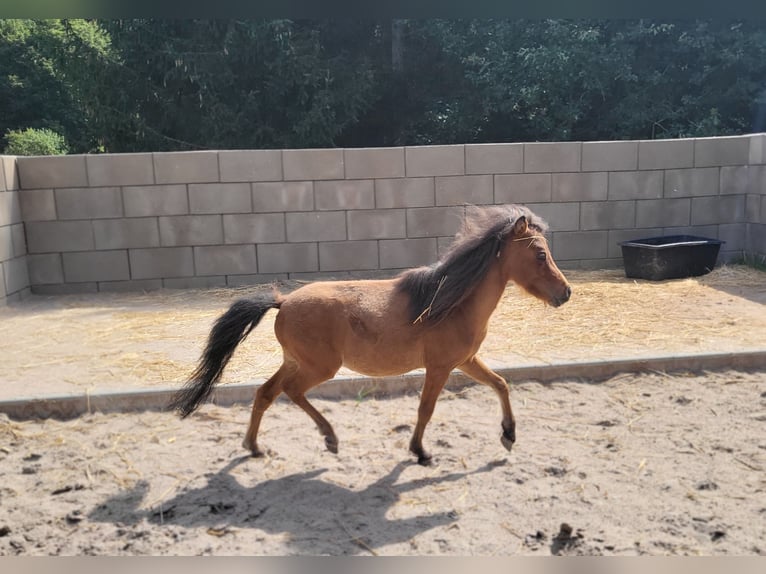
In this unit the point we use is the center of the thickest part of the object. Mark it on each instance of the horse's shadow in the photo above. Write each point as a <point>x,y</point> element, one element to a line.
<point>346,522</point>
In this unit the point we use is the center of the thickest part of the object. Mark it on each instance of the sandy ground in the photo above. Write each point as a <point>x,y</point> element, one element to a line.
<point>108,341</point>
<point>639,464</point>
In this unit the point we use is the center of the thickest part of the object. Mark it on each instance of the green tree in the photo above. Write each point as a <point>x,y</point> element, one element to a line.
<point>33,141</point>
<point>587,80</point>
<point>51,74</point>
<point>210,83</point>
<point>138,85</point>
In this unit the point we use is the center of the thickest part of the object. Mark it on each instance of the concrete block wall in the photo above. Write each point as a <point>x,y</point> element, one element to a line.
<point>197,219</point>
<point>755,202</point>
<point>14,279</point>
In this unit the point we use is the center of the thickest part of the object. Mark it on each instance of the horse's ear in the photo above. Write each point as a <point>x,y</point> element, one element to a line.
<point>520,226</point>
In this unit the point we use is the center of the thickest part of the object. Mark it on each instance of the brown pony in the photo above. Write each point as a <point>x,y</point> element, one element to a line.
<point>434,317</point>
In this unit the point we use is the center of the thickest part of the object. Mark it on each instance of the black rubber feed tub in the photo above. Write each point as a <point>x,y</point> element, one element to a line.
<point>669,257</point>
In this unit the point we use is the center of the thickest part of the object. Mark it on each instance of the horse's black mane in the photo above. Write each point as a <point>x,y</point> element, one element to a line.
<point>434,291</point>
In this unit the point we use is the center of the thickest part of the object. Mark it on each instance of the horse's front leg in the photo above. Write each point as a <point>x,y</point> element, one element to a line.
<point>435,381</point>
<point>480,372</point>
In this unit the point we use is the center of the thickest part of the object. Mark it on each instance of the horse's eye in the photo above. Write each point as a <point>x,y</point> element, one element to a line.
<point>541,255</point>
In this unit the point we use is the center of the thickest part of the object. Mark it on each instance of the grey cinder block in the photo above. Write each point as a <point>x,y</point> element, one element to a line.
<point>37,205</point>
<point>191,230</point>
<point>757,153</point>
<point>56,236</point>
<point>665,154</point>
<point>406,253</point>
<point>756,179</point>
<point>718,210</point>
<point>753,208</point>
<point>433,221</point>
<point>463,189</point>
<point>186,167</point>
<point>120,169</point>
<point>635,185</point>
<point>52,171</point>
<point>161,262</point>
<point>6,243</point>
<point>523,188</point>
<point>434,160</point>
<point>560,216</point>
<point>663,212</point>
<point>703,230</point>
<point>250,165</point>
<point>756,238</point>
<point>734,234</point>
<point>10,208</point>
<point>580,245</point>
<point>96,266</point>
<point>225,260</point>
<point>316,226</point>
<point>45,269</point>
<point>552,157</point>
<point>254,228</point>
<point>220,198</point>
<point>126,233</point>
<point>610,156</point>
<point>283,196</point>
<point>10,171</point>
<point>19,240</point>
<point>691,182</point>
<point>494,158</point>
<point>734,179</point>
<point>409,192</point>
<point>377,224</point>
<point>287,258</point>
<point>369,163</point>
<point>88,202</point>
<point>307,164</point>
<point>728,150</point>
<point>607,215</point>
<point>348,255</point>
<point>348,194</point>
<point>152,200</point>
<point>590,186</point>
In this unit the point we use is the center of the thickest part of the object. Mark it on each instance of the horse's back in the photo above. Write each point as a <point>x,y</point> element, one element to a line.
<point>361,324</point>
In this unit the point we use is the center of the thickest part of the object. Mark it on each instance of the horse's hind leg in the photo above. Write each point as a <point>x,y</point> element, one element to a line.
<point>435,381</point>
<point>477,370</point>
<point>325,428</point>
<point>264,396</point>
<point>296,386</point>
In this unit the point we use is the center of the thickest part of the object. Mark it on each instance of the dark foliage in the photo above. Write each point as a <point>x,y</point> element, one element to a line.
<point>152,84</point>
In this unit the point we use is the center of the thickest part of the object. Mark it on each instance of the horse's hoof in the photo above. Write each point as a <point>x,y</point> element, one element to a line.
<point>255,452</point>
<point>425,460</point>
<point>508,438</point>
<point>331,444</point>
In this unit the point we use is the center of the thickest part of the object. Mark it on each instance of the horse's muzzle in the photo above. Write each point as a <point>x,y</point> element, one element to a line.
<point>563,298</point>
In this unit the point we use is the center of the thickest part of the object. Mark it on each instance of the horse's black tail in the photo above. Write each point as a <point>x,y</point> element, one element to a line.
<point>229,330</point>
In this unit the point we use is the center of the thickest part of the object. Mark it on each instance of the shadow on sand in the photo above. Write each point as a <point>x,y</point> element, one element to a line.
<point>353,522</point>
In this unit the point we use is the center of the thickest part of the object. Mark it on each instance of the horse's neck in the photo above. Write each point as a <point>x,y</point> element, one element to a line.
<point>485,297</point>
